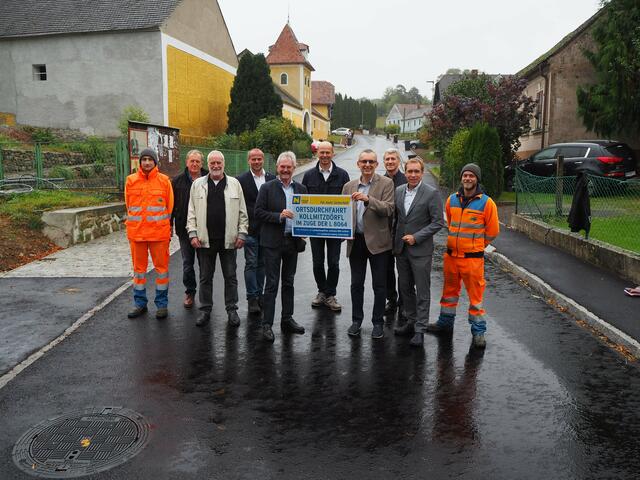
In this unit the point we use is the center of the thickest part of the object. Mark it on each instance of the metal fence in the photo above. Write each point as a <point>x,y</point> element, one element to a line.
<point>615,205</point>
<point>93,164</point>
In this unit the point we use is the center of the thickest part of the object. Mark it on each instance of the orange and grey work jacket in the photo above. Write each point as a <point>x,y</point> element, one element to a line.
<point>149,201</point>
<point>473,224</point>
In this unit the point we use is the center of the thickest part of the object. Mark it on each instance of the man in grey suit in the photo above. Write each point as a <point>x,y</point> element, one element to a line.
<point>418,218</point>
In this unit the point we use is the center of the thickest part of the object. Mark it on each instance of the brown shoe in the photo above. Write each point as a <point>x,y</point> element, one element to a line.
<point>188,300</point>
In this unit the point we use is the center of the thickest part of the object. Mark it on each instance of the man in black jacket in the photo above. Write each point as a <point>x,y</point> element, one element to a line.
<point>326,178</point>
<point>274,212</point>
<point>181,187</point>
<point>251,182</point>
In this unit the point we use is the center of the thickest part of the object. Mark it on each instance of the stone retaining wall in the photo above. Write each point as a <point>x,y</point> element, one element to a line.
<point>79,225</point>
<point>617,260</point>
<point>18,161</point>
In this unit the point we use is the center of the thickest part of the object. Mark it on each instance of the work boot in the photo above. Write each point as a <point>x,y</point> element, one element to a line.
<point>417,340</point>
<point>267,333</point>
<point>203,319</point>
<point>479,341</point>
<point>378,331</point>
<point>404,330</point>
<point>188,300</point>
<point>233,319</point>
<point>438,329</point>
<point>136,312</point>
<point>319,300</point>
<point>354,329</point>
<point>162,313</point>
<point>332,304</point>
<point>291,326</point>
<point>254,306</point>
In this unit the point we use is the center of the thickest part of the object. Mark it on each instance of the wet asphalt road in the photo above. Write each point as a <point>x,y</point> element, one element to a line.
<point>546,399</point>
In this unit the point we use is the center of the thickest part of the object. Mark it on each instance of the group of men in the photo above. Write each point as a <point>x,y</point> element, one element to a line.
<point>395,217</point>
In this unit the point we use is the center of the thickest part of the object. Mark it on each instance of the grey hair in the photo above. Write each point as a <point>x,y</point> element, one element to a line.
<point>395,151</point>
<point>195,151</point>
<point>214,153</point>
<point>287,155</point>
<point>368,150</point>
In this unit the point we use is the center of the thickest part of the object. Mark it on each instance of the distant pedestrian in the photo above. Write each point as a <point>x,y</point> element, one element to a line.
<point>149,200</point>
<point>418,218</point>
<point>274,212</point>
<point>392,160</point>
<point>373,206</point>
<point>217,223</point>
<point>251,183</point>
<point>181,188</point>
<point>472,218</point>
<point>326,178</point>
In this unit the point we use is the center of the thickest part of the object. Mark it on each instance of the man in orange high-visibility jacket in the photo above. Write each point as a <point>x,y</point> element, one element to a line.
<point>472,217</point>
<point>149,199</point>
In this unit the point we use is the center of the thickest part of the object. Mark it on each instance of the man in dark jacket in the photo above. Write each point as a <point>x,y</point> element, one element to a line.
<point>274,212</point>
<point>326,178</point>
<point>392,159</point>
<point>181,186</point>
<point>251,182</point>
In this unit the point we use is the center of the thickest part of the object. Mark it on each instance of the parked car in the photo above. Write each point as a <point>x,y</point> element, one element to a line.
<point>340,131</point>
<point>608,158</point>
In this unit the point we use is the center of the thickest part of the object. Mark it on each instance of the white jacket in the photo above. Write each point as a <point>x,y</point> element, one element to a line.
<point>235,209</point>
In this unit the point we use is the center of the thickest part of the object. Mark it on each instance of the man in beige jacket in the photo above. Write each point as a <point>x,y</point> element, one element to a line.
<point>217,223</point>
<point>373,202</point>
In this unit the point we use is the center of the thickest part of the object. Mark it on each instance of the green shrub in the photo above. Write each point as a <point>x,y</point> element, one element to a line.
<point>94,149</point>
<point>302,148</point>
<point>392,129</point>
<point>85,172</point>
<point>133,113</point>
<point>483,148</point>
<point>60,171</point>
<point>39,135</point>
<point>454,160</point>
<point>98,168</point>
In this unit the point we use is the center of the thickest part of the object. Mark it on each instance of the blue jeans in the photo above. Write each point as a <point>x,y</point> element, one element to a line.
<point>188,260</point>
<point>478,327</point>
<point>253,267</point>
<point>326,282</point>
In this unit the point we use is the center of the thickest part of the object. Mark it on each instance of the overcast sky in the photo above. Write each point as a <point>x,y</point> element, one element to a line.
<point>364,46</point>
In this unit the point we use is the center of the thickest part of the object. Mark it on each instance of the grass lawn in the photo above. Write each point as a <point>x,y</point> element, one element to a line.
<point>622,232</point>
<point>27,209</point>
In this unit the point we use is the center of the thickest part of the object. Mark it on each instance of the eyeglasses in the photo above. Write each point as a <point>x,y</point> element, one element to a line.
<point>371,162</point>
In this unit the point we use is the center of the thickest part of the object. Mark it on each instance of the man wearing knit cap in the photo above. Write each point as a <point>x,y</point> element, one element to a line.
<point>149,199</point>
<point>472,218</point>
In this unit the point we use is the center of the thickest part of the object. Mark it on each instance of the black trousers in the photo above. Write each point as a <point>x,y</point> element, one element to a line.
<point>279,262</point>
<point>327,282</point>
<point>207,262</point>
<point>358,258</point>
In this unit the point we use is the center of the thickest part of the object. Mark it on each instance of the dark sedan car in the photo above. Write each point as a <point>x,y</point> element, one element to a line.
<point>601,157</point>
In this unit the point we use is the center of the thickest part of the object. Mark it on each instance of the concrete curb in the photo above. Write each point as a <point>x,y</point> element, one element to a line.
<point>566,304</point>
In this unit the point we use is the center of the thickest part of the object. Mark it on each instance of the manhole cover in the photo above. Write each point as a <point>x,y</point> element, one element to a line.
<point>81,443</point>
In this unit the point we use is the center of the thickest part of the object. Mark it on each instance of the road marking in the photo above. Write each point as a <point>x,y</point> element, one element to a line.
<point>15,371</point>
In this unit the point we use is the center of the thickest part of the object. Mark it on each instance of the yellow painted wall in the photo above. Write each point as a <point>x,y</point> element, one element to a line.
<point>8,119</point>
<point>296,118</point>
<point>199,94</point>
<point>306,103</point>
<point>319,128</point>
<point>293,85</point>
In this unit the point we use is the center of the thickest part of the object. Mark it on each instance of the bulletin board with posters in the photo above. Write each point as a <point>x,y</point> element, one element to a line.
<point>165,141</point>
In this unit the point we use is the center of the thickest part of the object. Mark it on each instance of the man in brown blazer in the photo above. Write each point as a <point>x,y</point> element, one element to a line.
<point>373,206</point>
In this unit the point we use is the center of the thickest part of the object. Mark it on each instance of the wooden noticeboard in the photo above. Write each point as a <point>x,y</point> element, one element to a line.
<point>165,141</point>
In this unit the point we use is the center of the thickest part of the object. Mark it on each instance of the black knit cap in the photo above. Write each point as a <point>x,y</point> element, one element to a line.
<point>149,153</point>
<point>473,168</point>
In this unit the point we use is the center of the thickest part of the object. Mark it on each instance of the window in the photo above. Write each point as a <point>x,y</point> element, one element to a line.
<point>546,154</point>
<point>573,152</point>
<point>537,114</point>
<point>284,79</point>
<point>39,72</point>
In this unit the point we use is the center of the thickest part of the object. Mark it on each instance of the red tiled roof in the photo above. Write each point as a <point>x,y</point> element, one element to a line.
<point>322,93</point>
<point>287,49</point>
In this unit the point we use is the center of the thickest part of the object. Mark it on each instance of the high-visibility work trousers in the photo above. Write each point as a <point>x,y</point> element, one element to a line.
<point>160,257</point>
<point>469,271</point>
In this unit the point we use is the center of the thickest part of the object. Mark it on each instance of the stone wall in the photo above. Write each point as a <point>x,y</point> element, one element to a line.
<point>19,161</point>
<point>80,225</point>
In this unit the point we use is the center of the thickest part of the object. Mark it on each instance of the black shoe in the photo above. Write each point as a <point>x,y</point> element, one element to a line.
<point>136,312</point>
<point>354,329</point>
<point>254,306</point>
<point>417,340</point>
<point>437,329</point>
<point>404,330</point>
<point>291,326</point>
<point>267,333</point>
<point>233,318</point>
<point>378,331</point>
<point>203,319</point>
<point>162,313</point>
<point>390,307</point>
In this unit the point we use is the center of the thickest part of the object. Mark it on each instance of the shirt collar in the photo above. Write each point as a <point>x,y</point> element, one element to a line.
<point>258,176</point>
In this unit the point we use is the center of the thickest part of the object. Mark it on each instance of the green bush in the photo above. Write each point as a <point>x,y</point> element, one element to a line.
<point>98,168</point>
<point>134,113</point>
<point>392,129</point>
<point>85,172</point>
<point>302,149</point>
<point>483,148</point>
<point>95,149</point>
<point>454,160</point>
<point>60,171</point>
<point>39,135</point>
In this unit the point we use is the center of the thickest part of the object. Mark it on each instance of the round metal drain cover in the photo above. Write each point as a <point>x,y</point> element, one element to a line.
<point>81,443</point>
